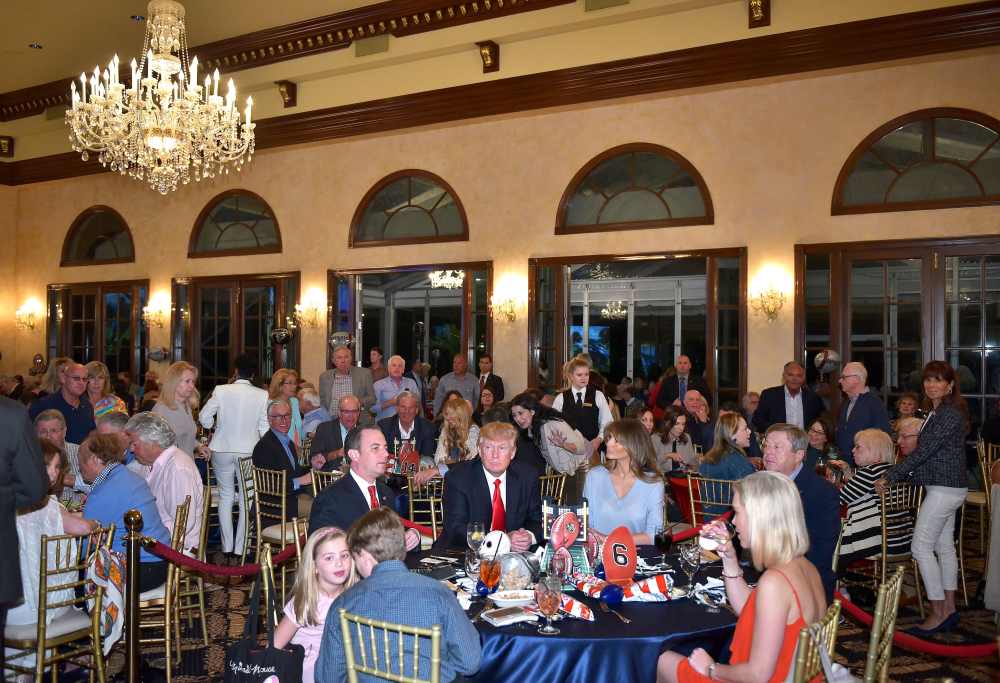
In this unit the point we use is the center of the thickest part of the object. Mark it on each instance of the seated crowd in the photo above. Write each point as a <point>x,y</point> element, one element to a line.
<point>616,450</point>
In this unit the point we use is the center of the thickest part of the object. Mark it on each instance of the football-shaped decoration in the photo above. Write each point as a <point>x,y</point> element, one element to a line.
<point>495,544</point>
<point>612,595</point>
<point>619,556</point>
<point>562,563</point>
<point>595,545</point>
<point>565,529</point>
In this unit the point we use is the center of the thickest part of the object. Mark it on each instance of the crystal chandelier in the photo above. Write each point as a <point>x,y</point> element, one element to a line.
<point>615,310</point>
<point>447,279</point>
<point>165,128</point>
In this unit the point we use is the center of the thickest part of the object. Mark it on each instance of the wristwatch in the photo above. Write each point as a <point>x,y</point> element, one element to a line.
<point>711,671</point>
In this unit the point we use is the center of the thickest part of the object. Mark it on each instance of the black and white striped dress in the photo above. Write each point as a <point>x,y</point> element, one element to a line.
<point>863,527</point>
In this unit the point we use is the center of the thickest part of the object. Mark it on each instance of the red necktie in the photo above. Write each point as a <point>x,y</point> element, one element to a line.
<point>374,498</point>
<point>499,522</point>
<point>482,382</point>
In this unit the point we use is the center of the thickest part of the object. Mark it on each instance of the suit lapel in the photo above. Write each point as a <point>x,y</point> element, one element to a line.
<point>513,495</point>
<point>484,488</point>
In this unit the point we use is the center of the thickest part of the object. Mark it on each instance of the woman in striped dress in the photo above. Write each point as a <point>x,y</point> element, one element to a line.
<point>863,528</point>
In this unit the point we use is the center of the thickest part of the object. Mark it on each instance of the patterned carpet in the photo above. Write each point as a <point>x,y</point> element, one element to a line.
<point>227,611</point>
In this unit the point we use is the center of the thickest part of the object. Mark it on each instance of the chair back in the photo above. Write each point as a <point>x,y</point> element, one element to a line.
<point>988,455</point>
<point>177,543</point>
<point>427,503</point>
<point>552,486</point>
<point>898,505</point>
<point>63,569</point>
<point>709,498</point>
<point>269,497</point>
<point>679,488</point>
<point>247,490</point>
<point>322,480</point>
<point>808,664</point>
<point>883,628</point>
<point>376,646</point>
<point>301,526</point>
<point>203,531</point>
<point>267,576</point>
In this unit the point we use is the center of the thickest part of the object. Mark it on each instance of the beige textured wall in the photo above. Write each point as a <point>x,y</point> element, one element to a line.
<point>8,254</point>
<point>769,151</point>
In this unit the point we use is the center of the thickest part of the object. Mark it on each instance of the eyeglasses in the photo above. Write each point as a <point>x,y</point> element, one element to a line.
<point>77,378</point>
<point>349,412</point>
<point>849,376</point>
<point>280,418</point>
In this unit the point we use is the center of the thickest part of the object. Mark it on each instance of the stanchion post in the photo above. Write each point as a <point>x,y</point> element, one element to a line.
<point>133,522</point>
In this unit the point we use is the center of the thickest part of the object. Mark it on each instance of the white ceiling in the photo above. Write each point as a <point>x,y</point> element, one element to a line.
<point>77,35</point>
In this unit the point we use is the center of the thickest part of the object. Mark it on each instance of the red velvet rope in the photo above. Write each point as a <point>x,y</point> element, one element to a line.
<point>691,533</point>
<point>905,640</point>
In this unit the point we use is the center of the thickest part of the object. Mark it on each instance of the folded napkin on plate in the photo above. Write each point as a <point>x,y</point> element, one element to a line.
<point>654,589</point>
<point>712,586</point>
<point>646,568</point>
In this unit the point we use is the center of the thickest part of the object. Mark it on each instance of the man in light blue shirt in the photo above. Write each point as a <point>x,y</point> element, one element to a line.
<point>313,413</point>
<point>388,389</point>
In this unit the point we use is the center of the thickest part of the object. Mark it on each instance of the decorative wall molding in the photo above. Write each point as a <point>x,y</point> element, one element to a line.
<point>309,37</point>
<point>901,36</point>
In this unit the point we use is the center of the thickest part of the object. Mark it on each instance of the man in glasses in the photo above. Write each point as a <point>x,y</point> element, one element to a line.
<point>276,451</point>
<point>908,429</point>
<point>72,402</point>
<point>861,410</point>
<point>327,452</point>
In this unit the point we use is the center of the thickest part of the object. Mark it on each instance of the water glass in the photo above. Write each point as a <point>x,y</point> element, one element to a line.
<point>474,535</point>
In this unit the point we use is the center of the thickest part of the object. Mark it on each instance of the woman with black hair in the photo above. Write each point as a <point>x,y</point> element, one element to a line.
<point>564,449</point>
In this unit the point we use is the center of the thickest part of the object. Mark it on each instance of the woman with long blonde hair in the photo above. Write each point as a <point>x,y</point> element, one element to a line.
<point>327,571</point>
<point>102,398</point>
<point>52,380</point>
<point>285,384</point>
<point>458,441</point>
<point>177,402</point>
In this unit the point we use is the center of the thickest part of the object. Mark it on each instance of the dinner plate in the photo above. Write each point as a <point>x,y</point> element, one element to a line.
<point>513,598</point>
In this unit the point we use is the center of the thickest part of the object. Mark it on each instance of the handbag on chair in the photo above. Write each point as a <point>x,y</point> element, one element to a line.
<point>248,662</point>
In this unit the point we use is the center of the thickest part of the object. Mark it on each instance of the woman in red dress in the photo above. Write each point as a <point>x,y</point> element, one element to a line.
<point>769,520</point>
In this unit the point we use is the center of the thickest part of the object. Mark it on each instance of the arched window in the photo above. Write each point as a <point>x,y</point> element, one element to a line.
<point>633,187</point>
<point>99,235</point>
<point>929,159</point>
<point>235,222</point>
<point>409,207</point>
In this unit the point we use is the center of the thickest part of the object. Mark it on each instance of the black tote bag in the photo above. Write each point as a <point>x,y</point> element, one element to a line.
<point>248,662</point>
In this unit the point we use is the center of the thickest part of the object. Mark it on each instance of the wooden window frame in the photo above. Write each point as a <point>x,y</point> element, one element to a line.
<point>352,236</point>
<point>837,207</point>
<point>210,206</point>
<point>708,219</point>
<point>68,261</point>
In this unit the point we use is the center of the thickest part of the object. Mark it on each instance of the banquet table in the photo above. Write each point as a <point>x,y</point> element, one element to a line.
<point>605,649</point>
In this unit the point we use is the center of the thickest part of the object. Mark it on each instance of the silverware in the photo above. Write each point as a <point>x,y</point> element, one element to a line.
<point>605,608</point>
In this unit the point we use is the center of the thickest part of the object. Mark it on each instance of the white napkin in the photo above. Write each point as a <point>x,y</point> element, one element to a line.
<point>647,568</point>
<point>711,584</point>
<point>466,584</point>
<point>464,599</point>
<point>647,597</point>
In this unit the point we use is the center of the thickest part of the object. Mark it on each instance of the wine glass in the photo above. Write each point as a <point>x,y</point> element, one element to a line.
<point>548,595</point>
<point>690,562</point>
<point>472,563</point>
<point>489,573</point>
<point>474,535</point>
<point>663,540</point>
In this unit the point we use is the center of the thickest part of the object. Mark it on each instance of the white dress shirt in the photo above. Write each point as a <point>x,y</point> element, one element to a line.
<point>173,478</point>
<point>363,485</point>
<point>604,417</point>
<point>793,409</point>
<point>490,478</point>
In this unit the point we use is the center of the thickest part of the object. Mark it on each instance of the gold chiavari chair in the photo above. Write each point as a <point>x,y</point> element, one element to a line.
<point>211,499</point>
<point>322,480</point>
<point>158,607</point>
<point>270,509</point>
<point>552,486</point>
<point>63,630</point>
<point>808,664</point>
<point>375,653</point>
<point>301,527</point>
<point>247,491</point>
<point>899,503</point>
<point>986,454</point>
<point>191,592</point>
<point>709,498</point>
<point>883,628</point>
<point>427,503</point>
<point>267,576</point>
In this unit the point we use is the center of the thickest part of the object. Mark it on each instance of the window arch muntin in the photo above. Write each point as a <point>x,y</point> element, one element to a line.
<point>354,240</point>
<point>79,223</point>
<point>838,207</point>
<point>683,167</point>
<point>206,212</point>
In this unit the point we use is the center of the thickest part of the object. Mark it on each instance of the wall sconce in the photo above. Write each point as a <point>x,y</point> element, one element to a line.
<point>768,303</point>
<point>768,291</point>
<point>505,309</point>
<point>26,317</point>
<point>157,311</point>
<point>307,312</point>
<point>509,294</point>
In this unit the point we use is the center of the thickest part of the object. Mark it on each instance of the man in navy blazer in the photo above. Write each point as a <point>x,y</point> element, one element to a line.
<point>407,424</point>
<point>276,451</point>
<point>784,450</point>
<point>674,387</point>
<point>488,490</point>
<point>804,403</point>
<point>861,410</point>
<point>361,489</point>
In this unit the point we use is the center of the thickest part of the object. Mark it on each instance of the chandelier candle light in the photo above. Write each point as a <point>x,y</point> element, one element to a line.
<point>166,128</point>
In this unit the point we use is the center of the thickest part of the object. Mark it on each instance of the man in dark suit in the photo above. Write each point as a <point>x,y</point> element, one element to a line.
<point>676,386</point>
<point>488,380</point>
<point>791,403</point>
<point>327,450</point>
<point>406,425</point>
<point>345,501</point>
<point>276,451</point>
<point>784,450</point>
<point>861,410</point>
<point>488,490</point>
<point>23,483</point>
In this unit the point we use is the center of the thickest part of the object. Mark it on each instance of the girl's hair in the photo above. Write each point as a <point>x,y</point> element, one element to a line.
<point>279,376</point>
<point>171,379</point>
<point>99,370</point>
<point>670,416</point>
<point>776,522</point>
<point>726,428</point>
<point>642,458</point>
<point>939,369</point>
<point>305,593</point>
<point>51,452</point>
<point>50,380</point>
<point>456,437</point>
<point>878,442</point>
<point>827,428</point>
<point>529,400</point>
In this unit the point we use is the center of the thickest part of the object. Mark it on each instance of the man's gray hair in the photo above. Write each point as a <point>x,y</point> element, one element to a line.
<point>278,402</point>
<point>151,428</point>
<point>116,420</point>
<point>348,397</point>
<point>797,439</point>
<point>406,393</point>
<point>50,414</point>
<point>347,348</point>
<point>310,396</point>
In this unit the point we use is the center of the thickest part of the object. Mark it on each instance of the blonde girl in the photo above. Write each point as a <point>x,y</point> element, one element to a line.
<point>327,571</point>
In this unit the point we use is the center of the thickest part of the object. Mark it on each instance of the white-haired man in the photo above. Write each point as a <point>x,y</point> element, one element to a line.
<point>388,389</point>
<point>862,410</point>
<point>313,413</point>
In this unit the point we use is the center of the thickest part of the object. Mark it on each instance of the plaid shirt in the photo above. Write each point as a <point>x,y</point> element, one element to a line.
<point>939,459</point>
<point>342,386</point>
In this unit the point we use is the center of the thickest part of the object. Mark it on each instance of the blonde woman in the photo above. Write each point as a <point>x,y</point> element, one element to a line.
<point>177,402</point>
<point>770,522</point>
<point>458,441</point>
<point>285,384</point>
<point>327,571</point>
<point>102,399</point>
<point>52,380</point>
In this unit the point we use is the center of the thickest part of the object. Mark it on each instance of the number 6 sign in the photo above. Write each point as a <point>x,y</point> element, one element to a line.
<point>619,557</point>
